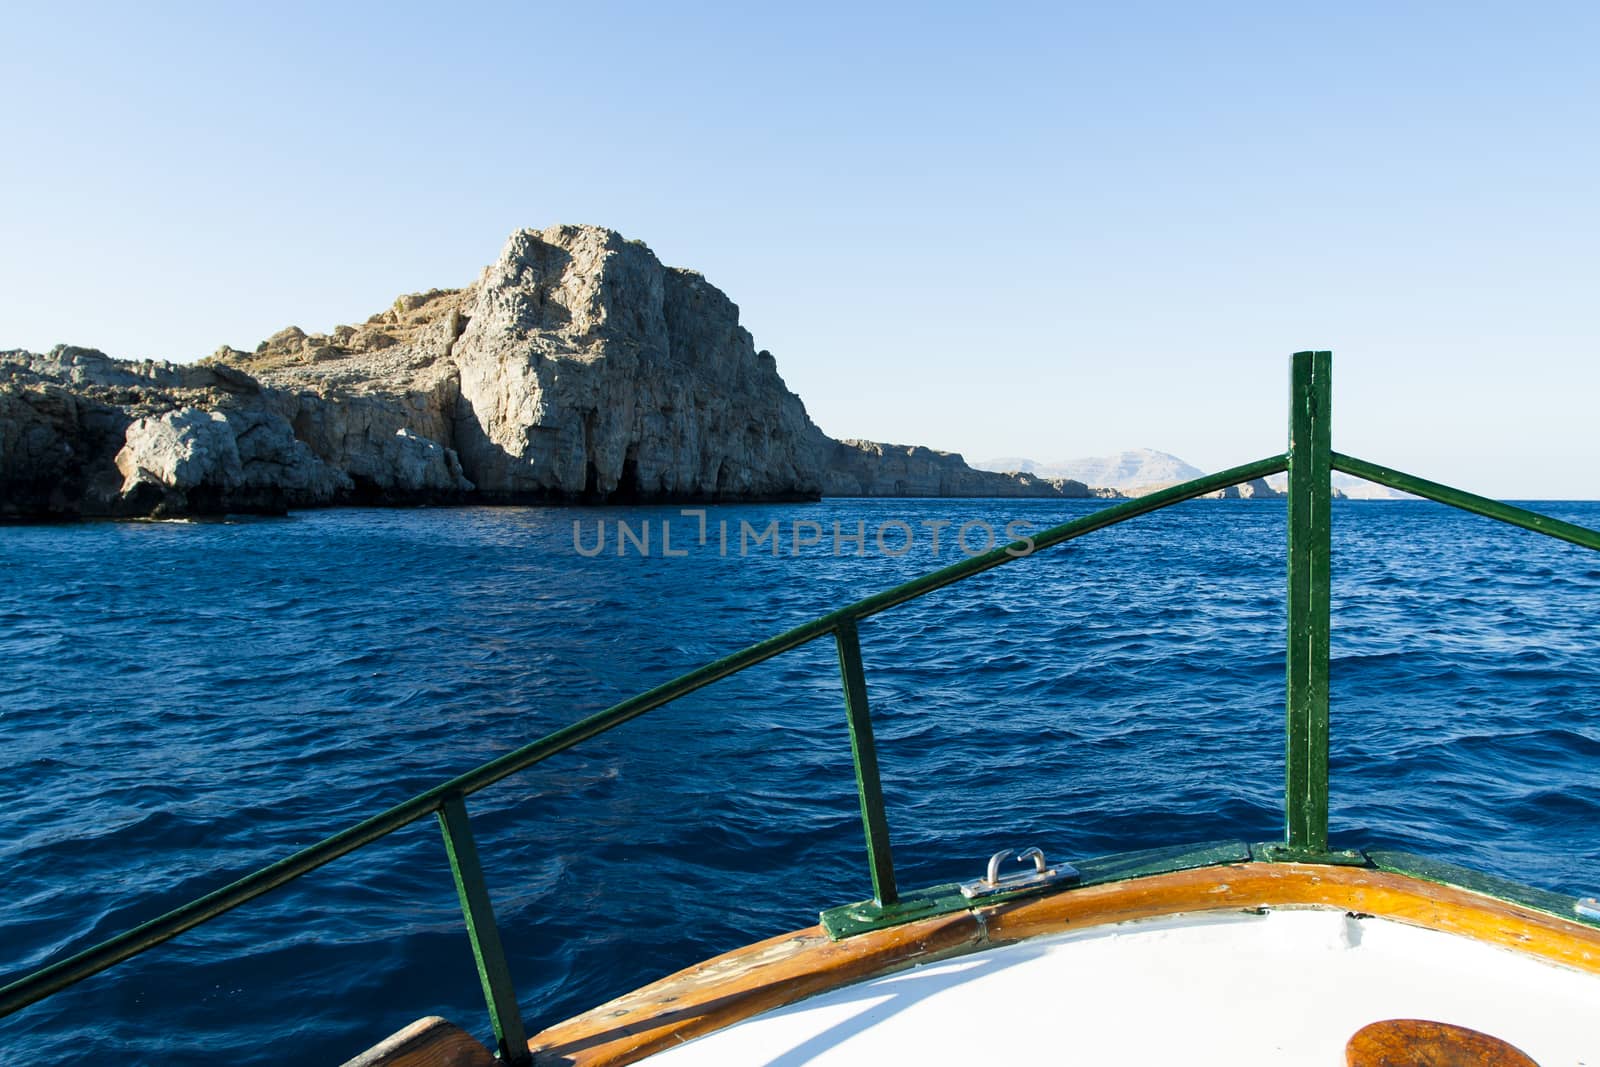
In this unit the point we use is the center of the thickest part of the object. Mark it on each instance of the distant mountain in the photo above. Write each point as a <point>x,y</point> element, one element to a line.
<point>1352,487</point>
<point>1142,470</point>
<point>1125,470</point>
<point>1009,464</point>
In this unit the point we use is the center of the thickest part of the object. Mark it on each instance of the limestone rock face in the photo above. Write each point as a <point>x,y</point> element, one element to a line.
<point>54,449</point>
<point>1255,489</point>
<point>869,468</point>
<point>575,368</point>
<point>388,447</point>
<point>197,461</point>
<point>588,369</point>
<point>91,369</point>
<point>1130,469</point>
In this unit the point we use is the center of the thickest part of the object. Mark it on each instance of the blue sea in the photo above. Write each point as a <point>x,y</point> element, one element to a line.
<point>181,703</point>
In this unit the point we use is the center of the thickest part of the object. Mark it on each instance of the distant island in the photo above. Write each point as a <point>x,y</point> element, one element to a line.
<point>1136,472</point>
<point>1128,470</point>
<point>1143,470</point>
<point>575,369</point>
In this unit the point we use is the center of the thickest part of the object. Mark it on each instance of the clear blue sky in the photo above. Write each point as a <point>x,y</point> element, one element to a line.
<point>1048,231</point>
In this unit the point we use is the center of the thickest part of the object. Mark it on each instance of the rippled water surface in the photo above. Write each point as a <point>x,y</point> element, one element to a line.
<point>181,703</point>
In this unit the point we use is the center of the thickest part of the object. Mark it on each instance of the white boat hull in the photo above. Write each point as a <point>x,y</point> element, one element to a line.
<point>1284,987</point>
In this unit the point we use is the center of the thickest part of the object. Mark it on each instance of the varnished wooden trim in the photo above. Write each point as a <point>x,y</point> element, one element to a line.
<point>1425,1043</point>
<point>782,970</point>
<point>1258,885</point>
<point>742,983</point>
<point>430,1042</point>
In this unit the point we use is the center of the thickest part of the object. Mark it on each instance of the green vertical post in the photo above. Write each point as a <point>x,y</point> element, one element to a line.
<point>864,750</point>
<point>485,936</point>
<point>1310,549</point>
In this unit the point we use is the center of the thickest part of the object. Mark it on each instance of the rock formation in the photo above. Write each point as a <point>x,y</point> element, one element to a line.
<point>588,368</point>
<point>1255,489</point>
<point>576,368</point>
<point>1135,467</point>
<point>868,468</point>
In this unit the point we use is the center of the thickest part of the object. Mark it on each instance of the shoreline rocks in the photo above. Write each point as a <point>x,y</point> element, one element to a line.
<point>873,469</point>
<point>576,368</point>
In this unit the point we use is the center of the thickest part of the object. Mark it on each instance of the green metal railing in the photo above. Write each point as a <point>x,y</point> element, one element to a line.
<point>1308,462</point>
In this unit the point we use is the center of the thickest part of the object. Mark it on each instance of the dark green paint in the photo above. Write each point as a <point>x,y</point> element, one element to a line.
<point>848,920</point>
<point>147,935</point>
<point>851,919</point>
<point>1306,776</point>
<point>510,1037</point>
<point>864,752</point>
<point>1489,885</point>
<point>1310,518</point>
<point>1459,498</point>
<point>57,976</point>
<point>1121,866</point>
<point>1278,852</point>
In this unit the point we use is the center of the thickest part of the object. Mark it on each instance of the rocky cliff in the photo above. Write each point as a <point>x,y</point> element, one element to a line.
<point>1135,467</point>
<point>1255,489</point>
<point>576,367</point>
<point>870,468</point>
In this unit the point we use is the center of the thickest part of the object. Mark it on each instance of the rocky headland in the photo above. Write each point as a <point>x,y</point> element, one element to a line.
<point>575,368</point>
<point>1127,470</point>
<point>1255,489</point>
<point>871,468</point>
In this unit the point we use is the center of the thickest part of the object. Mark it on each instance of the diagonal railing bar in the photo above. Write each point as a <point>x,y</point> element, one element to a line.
<point>1067,531</point>
<point>1460,498</point>
<point>1308,461</point>
<point>57,976</point>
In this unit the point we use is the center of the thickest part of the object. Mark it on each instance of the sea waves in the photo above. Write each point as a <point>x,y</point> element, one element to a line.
<point>183,703</point>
